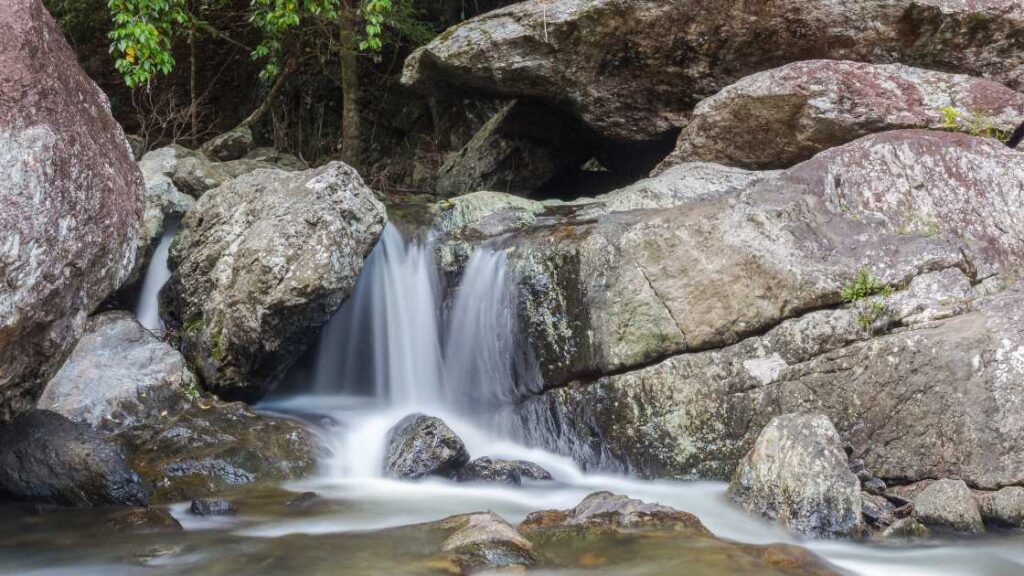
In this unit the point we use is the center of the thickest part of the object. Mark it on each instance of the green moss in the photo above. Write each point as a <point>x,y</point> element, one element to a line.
<point>194,325</point>
<point>217,351</point>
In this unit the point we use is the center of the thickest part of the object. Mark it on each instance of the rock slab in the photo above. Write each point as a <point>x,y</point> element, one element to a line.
<point>420,446</point>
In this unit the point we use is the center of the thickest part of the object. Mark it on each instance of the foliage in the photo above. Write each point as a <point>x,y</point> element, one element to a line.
<point>975,123</point>
<point>865,286</point>
<point>142,36</point>
<point>869,314</point>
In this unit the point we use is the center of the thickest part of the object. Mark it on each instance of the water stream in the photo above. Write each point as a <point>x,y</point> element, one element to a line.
<point>147,307</point>
<point>407,342</point>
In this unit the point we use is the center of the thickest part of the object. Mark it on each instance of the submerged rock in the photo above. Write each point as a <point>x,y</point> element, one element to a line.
<point>505,471</point>
<point>72,201</point>
<point>230,145</point>
<point>948,505</point>
<point>613,531</point>
<point>119,375</point>
<point>142,520</point>
<point>484,542</point>
<point>212,446</point>
<point>603,512</point>
<point>260,265</point>
<point>420,446</point>
<point>800,109</point>
<point>46,458</point>
<point>906,529</point>
<point>797,475</point>
<point>634,72</point>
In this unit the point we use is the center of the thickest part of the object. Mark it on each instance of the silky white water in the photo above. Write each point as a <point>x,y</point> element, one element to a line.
<point>399,347</point>
<point>147,308</point>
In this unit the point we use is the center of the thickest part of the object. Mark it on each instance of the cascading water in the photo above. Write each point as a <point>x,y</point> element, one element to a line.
<point>404,343</point>
<point>147,308</point>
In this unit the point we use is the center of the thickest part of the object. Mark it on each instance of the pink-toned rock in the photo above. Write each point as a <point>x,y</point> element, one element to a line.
<point>71,196</point>
<point>634,70</point>
<point>926,182</point>
<point>777,118</point>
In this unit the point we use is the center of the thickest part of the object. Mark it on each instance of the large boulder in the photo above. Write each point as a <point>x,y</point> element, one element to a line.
<point>420,446</point>
<point>520,149</point>
<point>211,446</point>
<point>780,117</point>
<point>119,375</point>
<point>46,458</point>
<point>634,71</point>
<point>797,474</point>
<point>948,504</point>
<point>71,196</point>
<point>259,266</point>
<point>686,390</point>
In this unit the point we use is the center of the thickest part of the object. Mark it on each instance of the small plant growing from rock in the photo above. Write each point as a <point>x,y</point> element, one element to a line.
<point>976,123</point>
<point>862,292</point>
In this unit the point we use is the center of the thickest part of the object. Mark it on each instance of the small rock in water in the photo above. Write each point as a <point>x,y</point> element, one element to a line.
<point>142,520</point>
<point>603,511</point>
<point>304,500</point>
<point>203,507</point>
<point>507,471</point>
<point>420,446</point>
<point>906,529</point>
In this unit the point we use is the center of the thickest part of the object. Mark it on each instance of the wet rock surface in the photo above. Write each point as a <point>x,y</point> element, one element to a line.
<point>503,471</point>
<point>797,475</point>
<point>483,542</point>
<point>72,202</point>
<point>46,458</point>
<point>145,520</point>
<point>420,446</point>
<point>212,446</point>
<point>118,376</point>
<point>260,265</point>
<point>780,117</point>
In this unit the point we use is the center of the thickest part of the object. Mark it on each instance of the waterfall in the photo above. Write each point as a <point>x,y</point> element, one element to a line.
<point>393,340</point>
<point>147,308</point>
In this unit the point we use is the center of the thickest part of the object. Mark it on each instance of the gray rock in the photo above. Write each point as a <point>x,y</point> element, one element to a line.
<point>71,197</point>
<point>230,145</point>
<point>420,446</point>
<point>259,266</point>
<point>874,485</point>
<point>484,541</point>
<point>504,471</point>
<point>797,474</point>
<point>948,505</point>
<point>486,213</point>
<point>203,507</point>
<point>877,510</point>
<point>46,458</point>
<point>906,529</point>
<point>189,171</point>
<point>212,446</point>
<point>806,107</point>
<point>282,160</point>
<point>1003,507</point>
<point>634,72</point>
<point>520,149</point>
<point>603,510</point>
<point>119,375</point>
